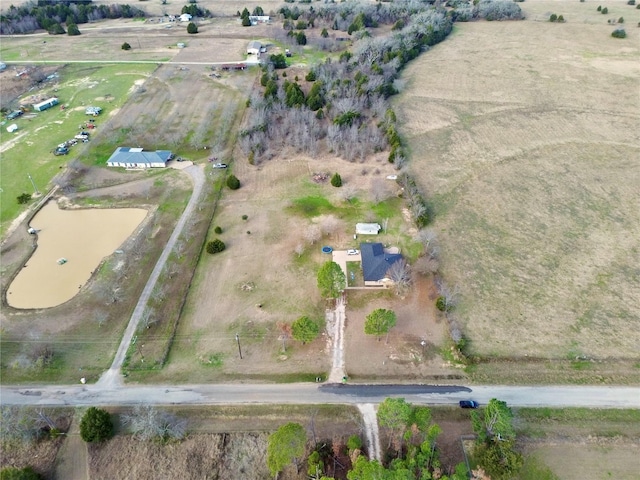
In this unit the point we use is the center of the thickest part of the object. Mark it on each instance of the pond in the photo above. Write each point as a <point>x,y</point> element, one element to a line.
<point>71,245</point>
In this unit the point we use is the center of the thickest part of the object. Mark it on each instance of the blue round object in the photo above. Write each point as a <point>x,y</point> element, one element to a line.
<point>327,249</point>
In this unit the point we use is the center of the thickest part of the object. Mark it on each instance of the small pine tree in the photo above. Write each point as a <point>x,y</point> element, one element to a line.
<point>24,198</point>
<point>218,230</point>
<point>96,425</point>
<point>336,180</point>
<point>246,22</point>
<point>324,33</point>
<point>72,29</point>
<point>233,183</point>
<point>621,20</point>
<point>215,246</point>
<point>553,18</point>
<point>560,19</point>
<point>126,46</point>
<point>192,28</point>
<point>599,9</point>
<point>311,76</point>
<point>604,11</point>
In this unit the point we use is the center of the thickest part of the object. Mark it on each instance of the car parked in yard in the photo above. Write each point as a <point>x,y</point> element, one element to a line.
<point>219,165</point>
<point>469,404</point>
<point>352,251</point>
<point>14,114</point>
<point>61,151</point>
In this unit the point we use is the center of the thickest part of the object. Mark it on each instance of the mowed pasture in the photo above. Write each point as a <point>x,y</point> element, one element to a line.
<point>524,136</point>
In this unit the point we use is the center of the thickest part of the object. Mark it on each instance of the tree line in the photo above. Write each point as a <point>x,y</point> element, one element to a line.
<point>30,16</point>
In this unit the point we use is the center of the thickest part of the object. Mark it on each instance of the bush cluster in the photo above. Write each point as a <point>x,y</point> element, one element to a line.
<point>619,33</point>
<point>215,246</point>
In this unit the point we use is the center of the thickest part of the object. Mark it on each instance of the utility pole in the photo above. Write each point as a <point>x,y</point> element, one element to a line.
<point>238,342</point>
<point>35,189</point>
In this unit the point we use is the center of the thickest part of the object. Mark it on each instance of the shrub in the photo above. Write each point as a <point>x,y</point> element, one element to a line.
<point>311,76</point>
<point>441,304</point>
<point>354,442</point>
<point>560,19</point>
<point>218,230</point>
<point>301,38</point>
<point>245,217</point>
<point>72,29</point>
<point>631,2</point>
<point>215,246</point>
<point>621,20</point>
<point>96,425</point>
<point>126,46</point>
<point>336,180</point>
<point>233,183</point>
<point>324,33</point>
<point>604,11</point>
<point>619,33</point>
<point>13,473</point>
<point>553,18</point>
<point>246,22</point>
<point>599,9</point>
<point>192,28</point>
<point>24,198</point>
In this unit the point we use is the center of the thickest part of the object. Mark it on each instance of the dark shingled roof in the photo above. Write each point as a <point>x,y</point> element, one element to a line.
<point>375,262</point>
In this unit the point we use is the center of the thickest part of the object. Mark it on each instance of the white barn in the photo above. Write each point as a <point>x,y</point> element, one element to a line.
<point>128,157</point>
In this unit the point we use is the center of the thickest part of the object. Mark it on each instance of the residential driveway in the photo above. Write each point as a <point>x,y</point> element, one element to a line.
<point>341,258</point>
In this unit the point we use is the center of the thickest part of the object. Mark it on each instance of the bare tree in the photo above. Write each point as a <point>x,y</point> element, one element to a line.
<point>379,190</point>
<point>427,237</point>
<point>147,422</point>
<point>312,234</point>
<point>400,274</point>
<point>348,192</point>
<point>449,295</point>
<point>285,333</point>
<point>299,249</point>
<point>328,224</point>
<point>426,265</point>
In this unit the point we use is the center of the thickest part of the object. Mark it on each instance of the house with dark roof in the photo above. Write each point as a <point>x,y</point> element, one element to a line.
<point>376,261</point>
<point>128,157</point>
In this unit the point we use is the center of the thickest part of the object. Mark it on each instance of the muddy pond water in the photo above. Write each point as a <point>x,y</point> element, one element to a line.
<point>71,244</point>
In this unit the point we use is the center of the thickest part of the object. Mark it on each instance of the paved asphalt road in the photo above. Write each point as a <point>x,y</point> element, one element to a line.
<point>309,393</point>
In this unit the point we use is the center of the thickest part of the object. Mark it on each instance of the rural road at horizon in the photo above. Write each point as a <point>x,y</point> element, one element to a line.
<point>309,393</point>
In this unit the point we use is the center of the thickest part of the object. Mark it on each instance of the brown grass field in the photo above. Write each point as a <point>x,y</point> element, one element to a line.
<point>525,137</point>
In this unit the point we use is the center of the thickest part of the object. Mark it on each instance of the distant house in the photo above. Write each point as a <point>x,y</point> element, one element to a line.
<point>42,106</point>
<point>256,19</point>
<point>185,17</point>
<point>254,47</point>
<point>376,262</point>
<point>128,157</point>
<point>368,228</point>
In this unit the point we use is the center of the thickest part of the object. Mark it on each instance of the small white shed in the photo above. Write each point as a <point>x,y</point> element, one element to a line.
<point>368,228</point>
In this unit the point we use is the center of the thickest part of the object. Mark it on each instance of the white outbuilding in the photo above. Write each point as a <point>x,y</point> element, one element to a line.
<point>254,48</point>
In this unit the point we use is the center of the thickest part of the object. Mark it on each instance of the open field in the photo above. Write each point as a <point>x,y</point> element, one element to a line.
<point>525,137</point>
<point>582,443</point>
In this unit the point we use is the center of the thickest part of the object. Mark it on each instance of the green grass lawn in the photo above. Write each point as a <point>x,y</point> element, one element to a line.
<point>38,134</point>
